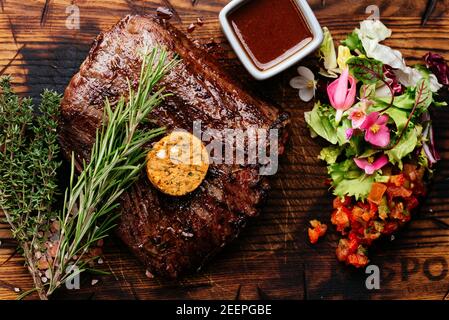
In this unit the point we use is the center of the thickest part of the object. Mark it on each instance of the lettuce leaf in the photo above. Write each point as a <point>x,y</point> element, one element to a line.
<point>353,42</point>
<point>330,154</point>
<point>349,180</point>
<point>406,146</point>
<point>405,101</point>
<point>321,122</point>
<point>359,187</point>
<point>399,117</point>
<point>328,54</point>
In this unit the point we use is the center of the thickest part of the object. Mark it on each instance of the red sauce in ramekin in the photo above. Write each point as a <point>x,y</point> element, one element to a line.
<point>270,30</point>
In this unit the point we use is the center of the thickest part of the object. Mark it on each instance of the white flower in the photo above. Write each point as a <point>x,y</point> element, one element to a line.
<point>305,82</point>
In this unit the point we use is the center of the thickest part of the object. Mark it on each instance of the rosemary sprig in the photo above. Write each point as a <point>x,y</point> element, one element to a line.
<point>116,160</point>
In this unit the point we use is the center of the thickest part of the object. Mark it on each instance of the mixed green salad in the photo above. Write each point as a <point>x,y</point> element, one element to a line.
<point>374,112</point>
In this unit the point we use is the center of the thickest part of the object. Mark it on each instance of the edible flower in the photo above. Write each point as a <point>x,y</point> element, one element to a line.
<point>305,82</point>
<point>369,165</point>
<point>358,116</point>
<point>376,130</point>
<point>349,133</point>
<point>341,97</point>
<point>344,54</point>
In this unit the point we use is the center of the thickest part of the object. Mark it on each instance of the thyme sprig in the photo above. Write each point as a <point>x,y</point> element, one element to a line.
<point>28,169</point>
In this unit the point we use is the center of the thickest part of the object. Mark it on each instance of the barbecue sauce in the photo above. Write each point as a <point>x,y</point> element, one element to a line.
<point>270,30</point>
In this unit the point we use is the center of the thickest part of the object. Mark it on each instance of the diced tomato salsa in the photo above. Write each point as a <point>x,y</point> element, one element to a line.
<point>387,208</point>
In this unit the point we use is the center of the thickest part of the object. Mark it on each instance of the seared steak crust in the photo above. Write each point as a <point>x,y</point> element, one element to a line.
<point>172,235</point>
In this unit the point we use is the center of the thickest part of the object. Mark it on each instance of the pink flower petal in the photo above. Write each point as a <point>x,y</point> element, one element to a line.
<point>369,167</point>
<point>370,120</point>
<point>362,163</point>
<point>383,119</point>
<point>380,162</point>
<point>341,89</point>
<point>349,133</point>
<point>376,130</point>
<point>350,95</point>
<point>340,96</point>
<point>381,138</point>
<point>331,89</point>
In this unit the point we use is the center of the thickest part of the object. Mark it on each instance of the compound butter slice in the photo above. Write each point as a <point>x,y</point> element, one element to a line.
<point>178,163</point>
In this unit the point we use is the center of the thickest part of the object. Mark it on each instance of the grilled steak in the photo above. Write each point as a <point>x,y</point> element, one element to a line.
<point>172,235</point>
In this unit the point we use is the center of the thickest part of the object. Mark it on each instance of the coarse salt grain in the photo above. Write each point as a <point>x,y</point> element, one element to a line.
<point>149,274</point>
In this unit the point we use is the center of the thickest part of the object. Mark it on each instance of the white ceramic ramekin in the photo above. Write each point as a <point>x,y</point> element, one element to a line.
<point>311,20</point>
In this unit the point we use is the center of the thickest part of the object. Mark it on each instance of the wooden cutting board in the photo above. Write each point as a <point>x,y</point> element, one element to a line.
<point>271,259</point>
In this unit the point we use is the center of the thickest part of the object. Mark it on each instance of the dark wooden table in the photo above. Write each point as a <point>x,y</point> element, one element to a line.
<point>272,258</point>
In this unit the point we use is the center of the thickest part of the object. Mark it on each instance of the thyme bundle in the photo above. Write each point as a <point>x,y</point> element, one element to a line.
<point>90,201</point>
<point>28,164</point>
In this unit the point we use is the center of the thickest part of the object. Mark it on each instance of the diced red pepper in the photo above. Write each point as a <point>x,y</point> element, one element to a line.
<point>340,218</point>
<point>358,260</point>
<point>338,202</point>
<point>377,192</point>
<point>394,192</point>
<point>354,242</point>
<point>397,180</point>
<point>317,231</point>
<point>357,213</point>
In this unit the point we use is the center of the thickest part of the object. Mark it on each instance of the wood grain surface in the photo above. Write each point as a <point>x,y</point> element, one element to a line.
<point>271,259</point>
